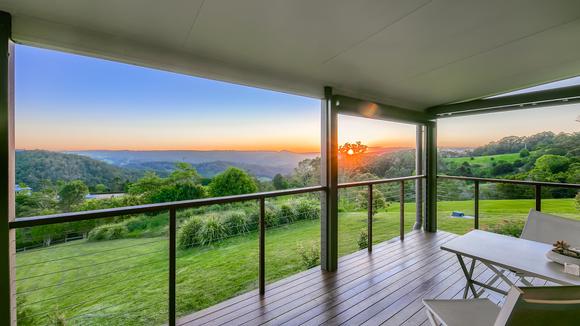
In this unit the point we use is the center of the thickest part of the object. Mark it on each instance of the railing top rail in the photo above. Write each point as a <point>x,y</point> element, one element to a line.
<point>369,182</point>
<point>519,182</point>
<point>104,213</point>
<point>120,211</point>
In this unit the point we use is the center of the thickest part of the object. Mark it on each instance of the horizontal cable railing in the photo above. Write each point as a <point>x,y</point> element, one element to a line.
<point>171,208</point>
<point>536,184</point>
<point>369,184</point>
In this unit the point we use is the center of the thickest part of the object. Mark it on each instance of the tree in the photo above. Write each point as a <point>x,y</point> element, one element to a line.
<point>379,201</point>
<point>350,155</point>
<point>524,152</point>
<point>180,191</point>
<point>550,168</point>
<point>100,188</point>
<point>36,203</point>
<point>148,184</point>
<point>184,173</point>
<point>232,181</point>
<point>502,167</point>
<point>72,193</point>
<point>279,182</point>
<point>307,173</point>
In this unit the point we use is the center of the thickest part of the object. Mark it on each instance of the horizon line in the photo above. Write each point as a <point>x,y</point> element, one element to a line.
<point>195,150</point>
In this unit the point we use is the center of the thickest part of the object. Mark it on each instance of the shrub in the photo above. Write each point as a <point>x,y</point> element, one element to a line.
<point>236,222</point>
<point>188,233</point>
<point>363,239</point>
<point>212,229</point>
<point>252,220</point>
<point>272,217</point>
<point>135,224</point>
<point>108,232</point>
<point>287,214</point>
<point>309,254</point>
<point>307,210</point>
<point>507,227</point>
<point>116,231</point>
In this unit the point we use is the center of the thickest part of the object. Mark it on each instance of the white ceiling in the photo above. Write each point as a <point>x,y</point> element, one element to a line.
<point>410,53</point>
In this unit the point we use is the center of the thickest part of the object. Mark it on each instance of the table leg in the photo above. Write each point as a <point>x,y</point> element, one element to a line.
<point>468,275</point>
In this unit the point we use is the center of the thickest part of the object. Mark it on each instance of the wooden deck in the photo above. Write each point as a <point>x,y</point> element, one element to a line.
<point>385,287</point>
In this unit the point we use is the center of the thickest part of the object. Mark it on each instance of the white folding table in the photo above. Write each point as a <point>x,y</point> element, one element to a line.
<point>497,252</point>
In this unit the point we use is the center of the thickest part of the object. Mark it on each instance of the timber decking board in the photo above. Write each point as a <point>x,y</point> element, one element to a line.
<point>384,287</point>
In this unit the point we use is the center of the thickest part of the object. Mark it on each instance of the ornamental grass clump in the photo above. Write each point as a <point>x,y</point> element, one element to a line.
<point>188,233</point>
<point>236,222</point>
<point>307,210</point>
<point>287,214</point>
<point>108,232</point>
<point>212,230</point>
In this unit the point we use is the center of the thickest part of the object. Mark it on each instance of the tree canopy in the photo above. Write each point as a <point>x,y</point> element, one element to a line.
<point>232,181</point>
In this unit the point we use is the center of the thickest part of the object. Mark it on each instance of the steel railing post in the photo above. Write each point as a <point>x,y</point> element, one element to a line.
<point>538,197</point>
<point>402,211</point>
<point>476,204</point>
<point>262,247</point>
<point>370,218</point>
<point>172,264</point>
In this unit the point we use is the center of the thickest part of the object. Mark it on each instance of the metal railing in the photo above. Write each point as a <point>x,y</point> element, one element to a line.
<point>538,185</point>
<point>172,207</point>
<point>369,184</point>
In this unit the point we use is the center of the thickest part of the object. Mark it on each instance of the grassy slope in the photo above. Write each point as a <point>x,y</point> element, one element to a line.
<point>124,282</point>
<point>485,160</point>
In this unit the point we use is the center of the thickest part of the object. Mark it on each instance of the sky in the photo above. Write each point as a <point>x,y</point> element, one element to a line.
<point>70,102</point>
<point>476,130</point>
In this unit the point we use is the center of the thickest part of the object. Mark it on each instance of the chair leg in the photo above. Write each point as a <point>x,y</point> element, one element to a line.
<point>432,318</point>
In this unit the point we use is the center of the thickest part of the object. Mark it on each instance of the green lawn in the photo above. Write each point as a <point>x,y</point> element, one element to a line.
<point>124,282</point>
<point>485,160</point>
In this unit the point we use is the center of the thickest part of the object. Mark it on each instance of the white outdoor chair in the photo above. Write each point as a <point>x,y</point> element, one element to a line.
<point>550,305</point>
<point>548,229</point>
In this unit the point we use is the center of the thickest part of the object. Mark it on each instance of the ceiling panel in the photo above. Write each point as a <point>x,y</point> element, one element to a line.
<point>297,34</point>
<point>166,22</point>
<point>410,53</point>
<point>416,46</point>
<point>543,57</point>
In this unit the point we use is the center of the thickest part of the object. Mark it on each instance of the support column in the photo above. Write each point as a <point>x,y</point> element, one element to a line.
<point>419,182</point>
<point>431,173</point>
<point>329,179</point>
<point>7,246</point>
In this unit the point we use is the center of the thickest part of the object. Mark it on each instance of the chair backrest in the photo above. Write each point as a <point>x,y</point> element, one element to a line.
<point>548,228</point>
<point>546,305</point>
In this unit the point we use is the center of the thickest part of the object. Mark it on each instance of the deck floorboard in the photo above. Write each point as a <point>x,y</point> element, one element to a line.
<point>385,287</point>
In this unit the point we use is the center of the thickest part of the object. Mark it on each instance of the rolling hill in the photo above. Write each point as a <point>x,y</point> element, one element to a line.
<point>35,167</point>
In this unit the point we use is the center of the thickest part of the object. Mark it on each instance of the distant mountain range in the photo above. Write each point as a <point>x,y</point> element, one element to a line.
<point>115,168</point>
<point>261,158</point>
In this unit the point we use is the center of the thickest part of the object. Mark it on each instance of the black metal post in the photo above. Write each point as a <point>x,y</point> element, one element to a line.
<point>476,204</point>
<point>262,248</point>
<point>538,198</point>
<point>431,180</point>
<point>7,236</point>
<point>402,211</point>
<point>172,263</point>
<point>370,219</point>
<point>419,164</point>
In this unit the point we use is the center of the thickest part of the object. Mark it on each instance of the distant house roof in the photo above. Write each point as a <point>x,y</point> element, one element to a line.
<point>17,188</point>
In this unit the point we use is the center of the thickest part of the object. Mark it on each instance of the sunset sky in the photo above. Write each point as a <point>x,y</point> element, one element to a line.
<point>70,102</point>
